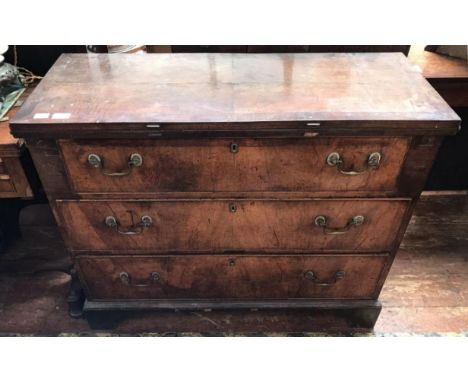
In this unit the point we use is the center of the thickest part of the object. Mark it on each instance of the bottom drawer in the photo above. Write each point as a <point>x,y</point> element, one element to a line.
<point>230,277</point>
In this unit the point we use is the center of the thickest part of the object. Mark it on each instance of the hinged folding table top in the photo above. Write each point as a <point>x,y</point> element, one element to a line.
<point>235,91</point>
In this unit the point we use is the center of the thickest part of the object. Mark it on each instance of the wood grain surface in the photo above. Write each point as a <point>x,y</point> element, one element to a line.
<point>448,75</point>
<point>425,293</point>
<point>233,224</point>
<point>211,226</point>
<point>229,277</point>
<point>13,180</point>
<point>101,92</point>
<point>438,66</point>
<point>257,165</point>
<point>8,143</point>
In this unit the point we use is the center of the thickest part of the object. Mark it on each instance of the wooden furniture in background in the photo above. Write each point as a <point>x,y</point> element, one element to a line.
<point>18,179</point>
<point>231,181</point>
<point>13,180</point>
<point>277,48</point>
<point>448,75</point>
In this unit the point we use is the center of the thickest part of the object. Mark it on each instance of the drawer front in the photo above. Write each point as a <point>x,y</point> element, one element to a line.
<point>236,225</point>
<point>6,185</point>
<point>245,165</point>
<point>218,276</point>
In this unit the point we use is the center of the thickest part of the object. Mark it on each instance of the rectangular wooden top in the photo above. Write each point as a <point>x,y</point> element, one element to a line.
<point>354,93</point>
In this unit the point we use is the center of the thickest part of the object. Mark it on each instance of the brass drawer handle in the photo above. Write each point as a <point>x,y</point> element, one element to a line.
<point>311,276</point>
<point>125,278</point>
<point>373,161</point>
<point>321,221</point>
<point>96,161</point>
<point>134,229</point>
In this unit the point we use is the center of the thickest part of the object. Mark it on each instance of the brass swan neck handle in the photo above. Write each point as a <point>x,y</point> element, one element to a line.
<point>312,276</point>
<point>96,161</point>
<point>135,229</point>
<point>373,162</point>
<point>322,221</point>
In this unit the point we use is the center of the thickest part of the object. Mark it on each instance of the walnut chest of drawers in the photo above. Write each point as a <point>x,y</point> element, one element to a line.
<point>232,181</point>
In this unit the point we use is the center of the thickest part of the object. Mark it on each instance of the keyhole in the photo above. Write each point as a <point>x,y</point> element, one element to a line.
<point>234,148</point>
<point>232,207</point>
<point>232,262</point>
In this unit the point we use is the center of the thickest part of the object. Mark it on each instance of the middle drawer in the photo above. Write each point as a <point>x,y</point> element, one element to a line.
<point>318,225</point>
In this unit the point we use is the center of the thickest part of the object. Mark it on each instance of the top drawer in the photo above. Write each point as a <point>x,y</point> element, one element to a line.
<point>333,165</point>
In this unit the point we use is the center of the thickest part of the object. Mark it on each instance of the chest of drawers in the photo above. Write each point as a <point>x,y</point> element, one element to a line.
<point>233,181</point>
